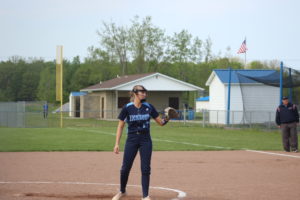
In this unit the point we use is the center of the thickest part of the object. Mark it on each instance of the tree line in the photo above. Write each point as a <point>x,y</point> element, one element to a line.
<point>140,48</point>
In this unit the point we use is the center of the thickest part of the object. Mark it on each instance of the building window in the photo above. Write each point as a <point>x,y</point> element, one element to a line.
<point>122,101</point>
<point>174,102</point>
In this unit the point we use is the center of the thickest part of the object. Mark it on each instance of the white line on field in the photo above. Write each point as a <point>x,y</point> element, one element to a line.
<point>270,153</point>
<point>188,143</point>
<point>195,144</point>
<point>180,194</point>
<point>155,139</point>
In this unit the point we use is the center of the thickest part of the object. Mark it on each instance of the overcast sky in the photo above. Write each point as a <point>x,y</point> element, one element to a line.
<point>33,28</point>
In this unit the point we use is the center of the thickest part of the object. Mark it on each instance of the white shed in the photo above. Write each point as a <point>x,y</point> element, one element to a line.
<point>250,101</point>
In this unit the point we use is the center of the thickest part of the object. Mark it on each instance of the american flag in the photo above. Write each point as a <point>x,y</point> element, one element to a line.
<point>243,47</point>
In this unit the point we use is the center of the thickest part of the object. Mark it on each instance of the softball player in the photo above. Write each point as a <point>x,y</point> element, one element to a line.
<point>137,115</point>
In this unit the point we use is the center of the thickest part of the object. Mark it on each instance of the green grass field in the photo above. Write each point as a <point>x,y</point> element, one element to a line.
<point>172,137</point>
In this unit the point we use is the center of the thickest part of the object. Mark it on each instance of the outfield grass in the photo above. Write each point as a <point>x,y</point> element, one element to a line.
<point>169,138</point>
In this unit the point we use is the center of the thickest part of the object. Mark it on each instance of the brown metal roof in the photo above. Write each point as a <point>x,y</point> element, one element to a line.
<point>117,81</point>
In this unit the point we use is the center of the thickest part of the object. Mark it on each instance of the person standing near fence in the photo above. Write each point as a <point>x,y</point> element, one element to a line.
<point>45,110</point>
<point>287,119</point>
<point>137,114</point>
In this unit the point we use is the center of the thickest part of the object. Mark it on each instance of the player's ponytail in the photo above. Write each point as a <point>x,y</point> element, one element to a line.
<point>131,96</point>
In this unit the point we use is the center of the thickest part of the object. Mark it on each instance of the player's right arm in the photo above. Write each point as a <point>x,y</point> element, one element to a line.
<point>122,118</point>
<point>118,136</point>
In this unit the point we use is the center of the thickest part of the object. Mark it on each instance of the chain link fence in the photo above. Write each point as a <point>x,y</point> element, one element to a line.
<point>32,115</point>
<point>239,119</point>
<point>22,114</point>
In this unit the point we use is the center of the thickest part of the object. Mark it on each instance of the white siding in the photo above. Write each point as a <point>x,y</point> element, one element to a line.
<point>216,101</point>
<point>236,104</point>
<point>71,105</point>
<point>217,95</point>
<point>260,97</point>
<point>202,105</point>
<point>260,102</point>
<point>236,99</point>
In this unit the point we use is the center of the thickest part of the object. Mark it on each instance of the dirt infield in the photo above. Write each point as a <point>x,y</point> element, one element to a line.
<point>210,175</point>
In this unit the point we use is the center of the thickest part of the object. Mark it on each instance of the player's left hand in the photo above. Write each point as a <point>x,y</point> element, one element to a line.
<point>171,113</point>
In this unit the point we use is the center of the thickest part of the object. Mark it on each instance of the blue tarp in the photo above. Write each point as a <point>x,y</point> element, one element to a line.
<point>76,94</point>
<point>203,98</point>
<point>223,75</point>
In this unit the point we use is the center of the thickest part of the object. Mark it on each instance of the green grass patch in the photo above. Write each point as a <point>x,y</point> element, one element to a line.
<point>169,138</point>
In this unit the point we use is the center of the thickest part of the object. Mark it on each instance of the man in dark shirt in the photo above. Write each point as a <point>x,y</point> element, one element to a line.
<point>287,119</point>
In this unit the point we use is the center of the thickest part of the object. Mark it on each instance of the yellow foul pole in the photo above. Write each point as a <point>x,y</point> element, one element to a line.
<point>59,80</point>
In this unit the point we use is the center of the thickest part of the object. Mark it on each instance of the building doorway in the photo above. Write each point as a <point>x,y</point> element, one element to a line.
<point>77,106</point>
<point>174,102</point>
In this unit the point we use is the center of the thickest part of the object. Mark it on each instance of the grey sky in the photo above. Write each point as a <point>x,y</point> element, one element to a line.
<point>33,28</point>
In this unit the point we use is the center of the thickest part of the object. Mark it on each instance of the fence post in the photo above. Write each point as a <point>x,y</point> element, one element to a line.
<point>184,117</point>
<point>232,121</point>
<point>7,118</point>
<point>269,120</point>
<point>250,119</point>
<point>217,117</point>
<point>203,118</point>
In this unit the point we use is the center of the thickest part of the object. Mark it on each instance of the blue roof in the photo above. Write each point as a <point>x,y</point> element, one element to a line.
<point>203,98</point>
<point>76,94</point>
<point>223,74</point>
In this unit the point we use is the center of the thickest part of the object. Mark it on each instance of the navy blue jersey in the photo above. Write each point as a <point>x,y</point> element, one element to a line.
<point>138,119</point>
<point>287,114</point>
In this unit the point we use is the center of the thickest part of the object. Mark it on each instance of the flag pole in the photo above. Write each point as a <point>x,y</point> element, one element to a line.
<point>245,59</point>
<point>246,53</point>
<point>243,49</point>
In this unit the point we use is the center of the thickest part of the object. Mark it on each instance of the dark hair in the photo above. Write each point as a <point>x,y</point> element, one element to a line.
<point>135,90</point>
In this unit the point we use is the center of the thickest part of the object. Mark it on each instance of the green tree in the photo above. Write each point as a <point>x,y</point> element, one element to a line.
<point>196,51</point>
<point>256,65</point>
<point>11,78</point>
<point>46,87</point>
<point>179,47</point>
<point>146,44</point>
<point>182,50</point>
<point>30,79</point>
<point>207,49</point>
<point>115,40</point>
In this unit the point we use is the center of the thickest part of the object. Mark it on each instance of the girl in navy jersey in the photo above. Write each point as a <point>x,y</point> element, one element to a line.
<point>137,115</point>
